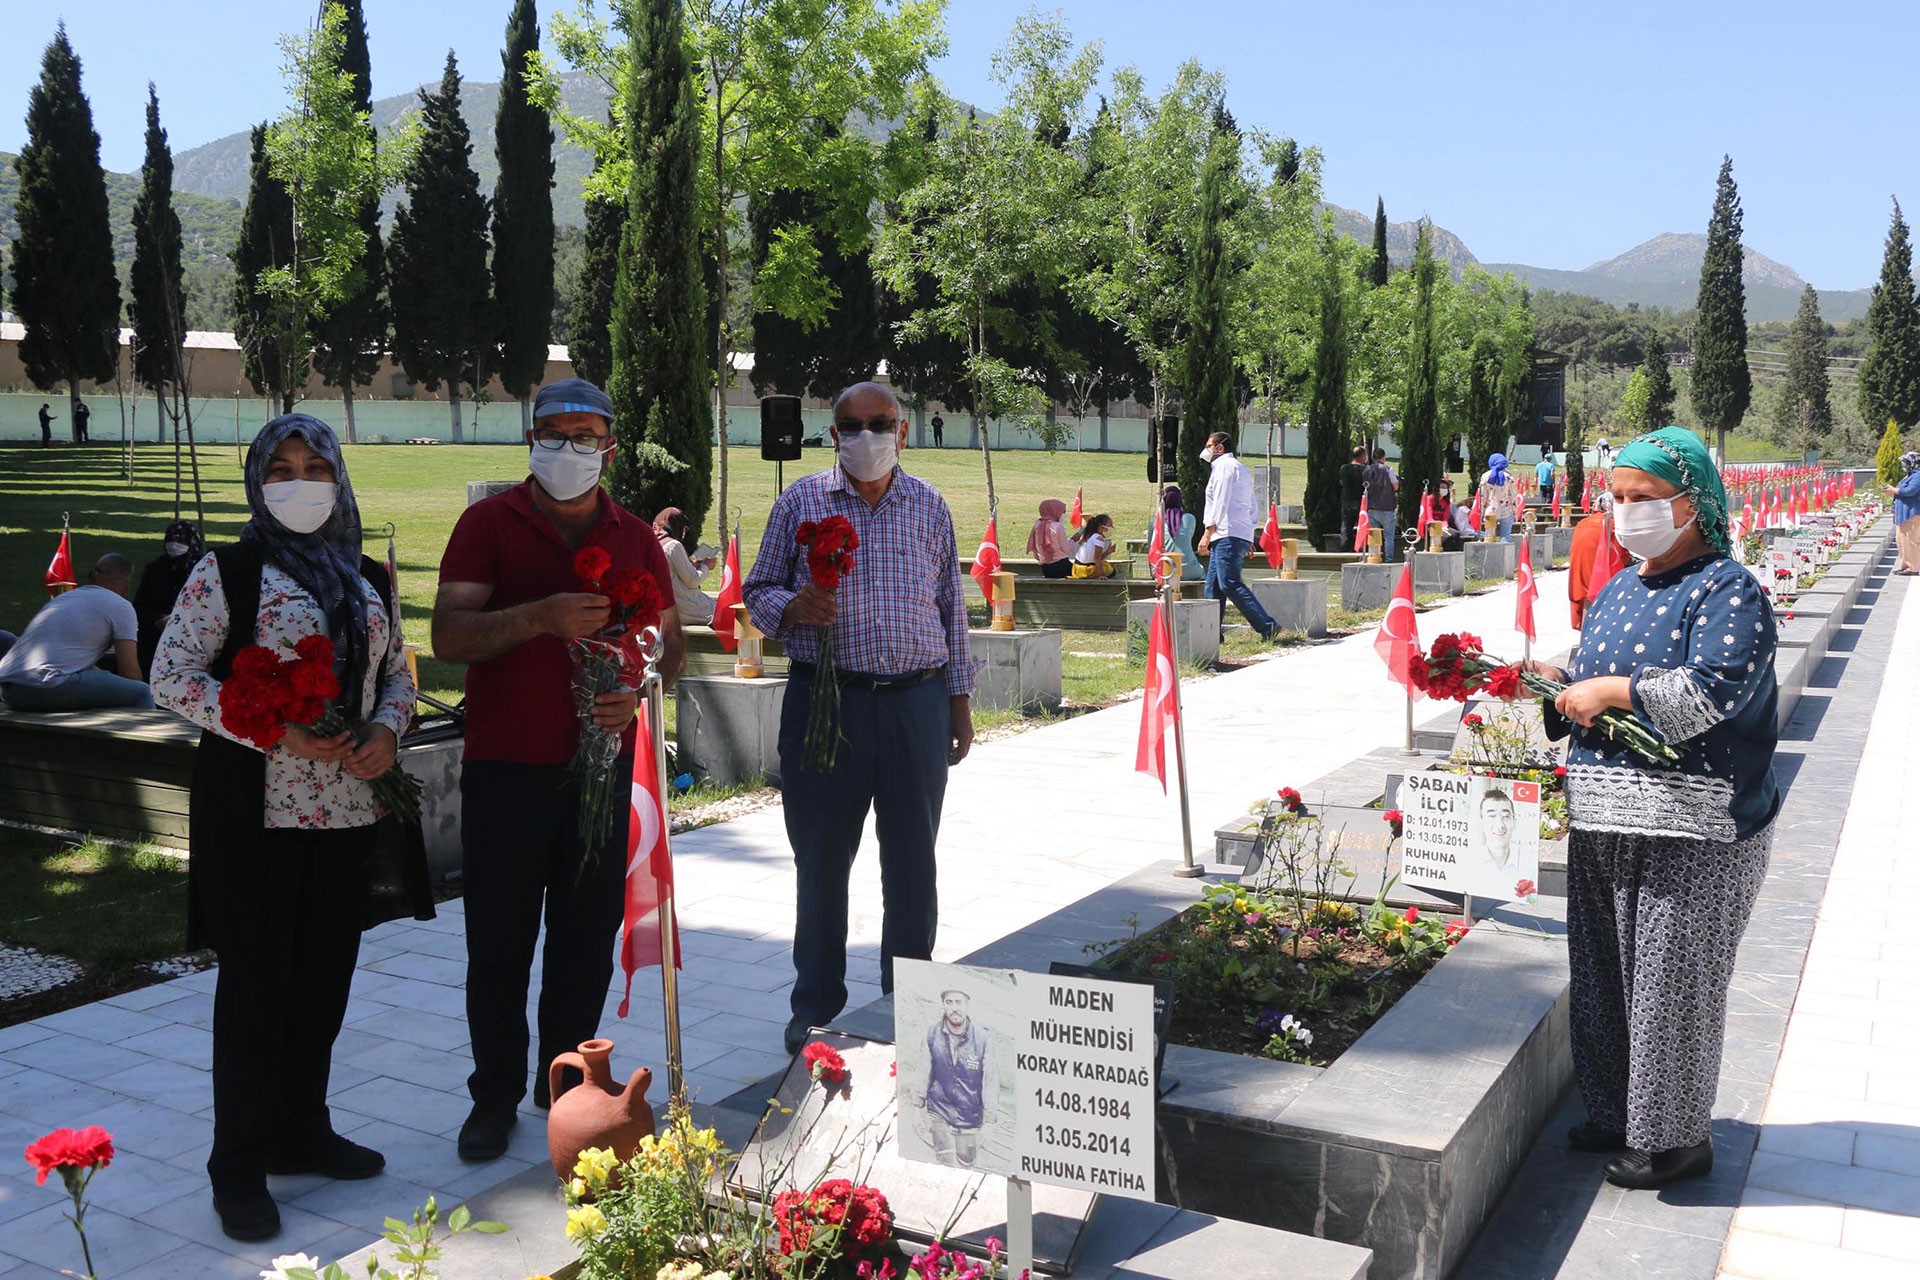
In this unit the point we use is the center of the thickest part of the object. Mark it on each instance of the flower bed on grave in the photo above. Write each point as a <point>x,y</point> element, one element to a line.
<point>1279,965</point>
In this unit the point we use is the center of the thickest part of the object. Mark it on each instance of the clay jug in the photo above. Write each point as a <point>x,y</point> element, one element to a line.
<point>595,1112</point>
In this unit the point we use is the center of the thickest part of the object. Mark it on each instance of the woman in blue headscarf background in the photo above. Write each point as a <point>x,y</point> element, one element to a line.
<point>1664,861</point>
<point>1499,497</point>
<point>1906,513</point>
<point>293,855</point>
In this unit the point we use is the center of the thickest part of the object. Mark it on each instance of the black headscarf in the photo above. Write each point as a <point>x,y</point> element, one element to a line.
<point>326,562</point>
<point>187,533</point>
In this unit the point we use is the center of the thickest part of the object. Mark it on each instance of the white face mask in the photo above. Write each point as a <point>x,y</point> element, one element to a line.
<point>1207,455</point>
<point>564,474</point>
<point>177,549</point>
<point>1646,528</point>
<point>868,455</point>
<point>301,506</point>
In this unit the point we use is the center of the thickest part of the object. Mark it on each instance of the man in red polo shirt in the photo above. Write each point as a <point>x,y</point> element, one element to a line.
<point>508,604</point>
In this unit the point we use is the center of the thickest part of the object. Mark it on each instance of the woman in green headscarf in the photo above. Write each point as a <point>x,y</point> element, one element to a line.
<point>1664,861</point>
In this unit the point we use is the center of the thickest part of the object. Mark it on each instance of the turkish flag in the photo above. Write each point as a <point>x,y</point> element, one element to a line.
<point>1848,487</point>
<point>729,595</point>
<point>1398,639</point>
<point>1523,602</point>
<point>1746,519</point>
<point>1270,537</point>
<point>1608,559</point>
<point>1157,713</point>
<point>649,865</point>
<point>60,568</point>
<point>1076,517</point>
<point>1361,528</point>
<point>1473,516</point>
<point>1586,497</point>
<point>1559,487</point>
<point>986,561</point>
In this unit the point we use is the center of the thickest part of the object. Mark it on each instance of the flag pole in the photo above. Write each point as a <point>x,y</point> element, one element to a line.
<point>1413,573</point>
<point>656,696</point>
<point>1169,592</point>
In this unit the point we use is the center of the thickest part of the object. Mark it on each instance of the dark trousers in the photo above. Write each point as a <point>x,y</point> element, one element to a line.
<point>277,1007</point>
<point>1349,517</point>
<point>1224,561</point>
<point>519,828</point>
<point>1057,568</point>
<point>894,762</point>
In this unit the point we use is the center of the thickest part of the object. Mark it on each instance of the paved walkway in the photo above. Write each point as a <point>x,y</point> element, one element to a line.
<point>1834,1188</point>
<point>1033,823</point>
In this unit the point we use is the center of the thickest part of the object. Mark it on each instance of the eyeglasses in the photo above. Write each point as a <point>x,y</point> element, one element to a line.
<point>878,425</point>
<point>587,445</point>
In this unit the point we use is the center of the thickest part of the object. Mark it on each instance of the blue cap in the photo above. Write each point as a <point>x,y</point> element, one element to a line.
<point>572,395</point>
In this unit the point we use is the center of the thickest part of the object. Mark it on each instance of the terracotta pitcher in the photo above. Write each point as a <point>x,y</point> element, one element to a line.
<point>596,1112</point>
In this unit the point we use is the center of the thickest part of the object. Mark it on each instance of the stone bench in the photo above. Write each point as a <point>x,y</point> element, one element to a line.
<point>1075,604</point>
<point>128,775</point>
<point>705,657</point>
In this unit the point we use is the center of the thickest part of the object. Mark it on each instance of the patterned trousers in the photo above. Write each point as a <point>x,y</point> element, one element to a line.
<point>1652,926</point>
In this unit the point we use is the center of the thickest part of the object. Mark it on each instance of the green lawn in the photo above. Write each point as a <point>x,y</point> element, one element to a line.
<point>107,906</point>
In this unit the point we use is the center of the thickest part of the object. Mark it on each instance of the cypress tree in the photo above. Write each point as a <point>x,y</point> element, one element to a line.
<point>438,255</point>
<point>1486,416</point>
<point>1382,266</point>
<point>64,287</point>
<point>1327,411</point>
<point>1420,461</point>
<point>661,384</point>
<point>1886,462</point>
<point>266,240</point>
<point>349,337</point>
<point>593,295</point>
<point>1210,402</point>
<point>1722,383</point>
<point>1576,459</point>
<point>1660,394</point>
<point>158,306</point>
<point>1890,372</point>
<point>522,217</point>
<point>1806,406</point>
<point>780,346</point>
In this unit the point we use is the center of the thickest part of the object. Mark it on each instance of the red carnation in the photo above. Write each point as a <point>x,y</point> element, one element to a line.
<point>1294,804</point>
<point>312,680</point>
<point>1395,819</point>
<point>824,1063</point>
<point>1472,721</point>
<point>1413,915</point>
<point>1504,682</point>
<point>1456,930</point>
<point>590,564</point>
<point>76,1149</point>
<point>624,588</point>
<point>315,648</point>
<point>259,661</point>
<point>1524,889</point>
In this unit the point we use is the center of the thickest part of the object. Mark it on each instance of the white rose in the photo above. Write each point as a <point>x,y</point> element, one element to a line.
<point>289,1262</point>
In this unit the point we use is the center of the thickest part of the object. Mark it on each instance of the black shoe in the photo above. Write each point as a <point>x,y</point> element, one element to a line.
<point>798,1030</point>
<point>247,1215</point>
<point>1591,1137</point>
<point>484,1135</point>
<point>331,1157</point>
<point>1647,1170</point>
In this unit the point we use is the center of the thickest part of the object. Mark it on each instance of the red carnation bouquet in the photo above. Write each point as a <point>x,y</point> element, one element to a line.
<point>265,694</point>
<point>830,545</point>
<point>1456,668</point>
<point>609,662</point>
<point>835,1219</point>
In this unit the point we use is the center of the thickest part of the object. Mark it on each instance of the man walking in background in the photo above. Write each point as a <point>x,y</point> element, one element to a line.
<point>1229,532</point>
<point>46,426</point>
<point>80,416</point>
<point>1353,495</point>
<point>1383,489</point>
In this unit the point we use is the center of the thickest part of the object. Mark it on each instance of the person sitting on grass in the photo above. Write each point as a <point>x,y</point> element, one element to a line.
<point>1094,545</point>
<point>51,667</point>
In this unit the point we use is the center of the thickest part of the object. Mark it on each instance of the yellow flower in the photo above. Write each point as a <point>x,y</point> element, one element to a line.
<point>679,1269</point>
<point>594,1165</point>
<point>577,1190</point>
<point>585,1222</point>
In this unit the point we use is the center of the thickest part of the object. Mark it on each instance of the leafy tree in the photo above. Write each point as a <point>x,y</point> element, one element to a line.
<point>1721,383</point>
<point>1889,377</point>
<point>768,72</point>
<point>1420,461</point>
<point>1328,412</point>
<point>1274,331</point>
<point>587,340</point>
<point>64,288</point>
<point>1632,413</point>
<point>522,215</point>
<point>1576,456</point>
<point>1886,462</point>
<point>350,332</point>
<point>660,379</point>
<point>993,211</point>
<point>273,368</point>
<point>437,256</point>
<point>1485,413</point>
<point>1381,267</point>
<point>1660,398</point>
<point>1804,412</point>
<point>1211,404</point>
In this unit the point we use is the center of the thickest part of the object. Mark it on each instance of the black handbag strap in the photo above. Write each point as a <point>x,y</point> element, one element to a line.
<point>240,566</point>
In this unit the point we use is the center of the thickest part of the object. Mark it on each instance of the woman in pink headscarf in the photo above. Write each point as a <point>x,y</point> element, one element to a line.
<point>1048,541</point>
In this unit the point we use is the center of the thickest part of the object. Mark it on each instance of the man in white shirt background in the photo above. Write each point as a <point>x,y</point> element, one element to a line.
<point>51,666</point>
<point>1229,533</point>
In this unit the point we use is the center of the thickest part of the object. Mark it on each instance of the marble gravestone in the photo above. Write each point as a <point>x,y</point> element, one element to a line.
<point>1510,719</point>
<point>811,1131</point>
<point>1361,844</point>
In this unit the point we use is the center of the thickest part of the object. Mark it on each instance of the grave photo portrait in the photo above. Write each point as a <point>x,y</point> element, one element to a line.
<point>956,1028</point>
<point>1471,834</point>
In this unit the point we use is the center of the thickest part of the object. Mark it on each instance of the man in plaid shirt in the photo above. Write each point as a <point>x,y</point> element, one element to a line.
<point>906,674</point>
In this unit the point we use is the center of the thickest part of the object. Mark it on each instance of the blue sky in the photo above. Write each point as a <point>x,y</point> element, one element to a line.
<point>1555,135</point>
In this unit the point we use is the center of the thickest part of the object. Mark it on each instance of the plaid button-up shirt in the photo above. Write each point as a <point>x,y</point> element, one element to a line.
<point>901,609</point>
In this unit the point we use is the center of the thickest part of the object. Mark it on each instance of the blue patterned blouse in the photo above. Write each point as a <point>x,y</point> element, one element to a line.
<point>1698,643</point>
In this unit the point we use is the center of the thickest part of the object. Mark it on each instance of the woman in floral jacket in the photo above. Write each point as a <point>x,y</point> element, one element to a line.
<point>289,844</point>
